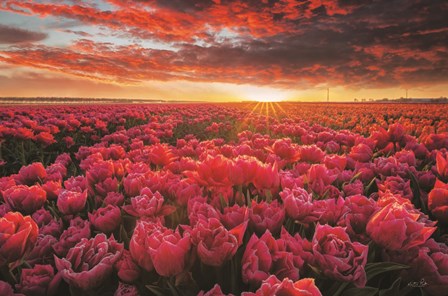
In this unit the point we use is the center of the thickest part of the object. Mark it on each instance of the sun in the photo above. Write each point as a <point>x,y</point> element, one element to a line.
<point>268,100</point>
<point>264,94</point>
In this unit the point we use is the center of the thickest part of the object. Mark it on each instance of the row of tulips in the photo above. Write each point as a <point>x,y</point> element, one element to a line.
<point>40,134</point>
<point>273,205</point>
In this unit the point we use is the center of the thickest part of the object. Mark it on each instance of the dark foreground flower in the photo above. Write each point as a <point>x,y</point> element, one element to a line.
<point>90,263</point>
<point>39,280</point>
<point>338,257</point>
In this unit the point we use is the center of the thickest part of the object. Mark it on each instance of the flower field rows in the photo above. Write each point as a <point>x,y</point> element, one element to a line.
<point>220,199</point>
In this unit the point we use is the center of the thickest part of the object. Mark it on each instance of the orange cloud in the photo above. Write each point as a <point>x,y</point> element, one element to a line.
<point>133,64</point>
<point>288,44</point>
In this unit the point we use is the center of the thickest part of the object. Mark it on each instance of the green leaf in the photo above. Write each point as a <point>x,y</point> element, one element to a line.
<point>372,252</point>
<point>155,290</point>
<point>376,154</point>
<point>172,288</point>
<point>355,177</point>
<point>337,288</point>
<point>374,269</point>
<point>369,186</point>
<point>366,291</point>
<point>124,235</point>
<point>392,290</point>
<point>416,191</point>
<point>289,225</point>
<point>268,195</point>
<point>223,201</point>
<point>315,270</point>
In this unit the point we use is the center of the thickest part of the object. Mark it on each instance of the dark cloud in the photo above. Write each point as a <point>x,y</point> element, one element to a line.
<point>12,35</point>
<point>79,33</point>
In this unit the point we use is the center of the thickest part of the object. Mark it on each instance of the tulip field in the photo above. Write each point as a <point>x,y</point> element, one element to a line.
<point>224,199</point>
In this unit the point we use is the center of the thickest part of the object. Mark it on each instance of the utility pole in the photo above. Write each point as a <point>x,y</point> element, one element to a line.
<point>328,94</point>
<point>406,93</point>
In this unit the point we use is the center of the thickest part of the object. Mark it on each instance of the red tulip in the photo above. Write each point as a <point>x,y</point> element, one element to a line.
<point>18,234</point>
<point>71,202</point>
<point>77,230</point>
<point>442,165</point>
<point>106,219</point>
<point>273,286</point>
<point>257,258</point>
<point>213,171</point>
<point>264,216</point>
<point>338,257</point>
<point>39,280</point>
<point>139,246</point>
<point>169,251</point>
<point>215,244</point>
<point>361,153</point>
<point>25,199</point>
<point>438,201</point>
<point>395,227</point>
<point>90,262</point>
<point>128,270</point>
<point>29,175</point>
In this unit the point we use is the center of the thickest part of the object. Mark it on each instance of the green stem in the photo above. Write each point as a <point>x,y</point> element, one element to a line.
<point>22,154</point>
<point>234,276</point>
<point>6,275</point>
<point>219,276</point>
<point>41,152</point>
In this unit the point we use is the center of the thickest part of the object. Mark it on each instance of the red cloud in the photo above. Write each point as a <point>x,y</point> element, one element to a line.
<point>287,43</point>
<point>157,20</point>
<point>131,64</point>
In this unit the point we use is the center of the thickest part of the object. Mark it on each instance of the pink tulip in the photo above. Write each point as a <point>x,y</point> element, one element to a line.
<point>395,227</point>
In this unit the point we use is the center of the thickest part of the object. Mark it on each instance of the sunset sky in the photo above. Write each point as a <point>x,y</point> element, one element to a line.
<point>223,50</point>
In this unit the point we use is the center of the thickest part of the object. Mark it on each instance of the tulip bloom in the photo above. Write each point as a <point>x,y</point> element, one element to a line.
<point>213,171</point>
<point>18,235</point>
<point>25,199</point>
<point>106,219</point>
<point>215,244</point>
<point>273,286</point>
<point>361,153</point>
<point>257,258</point>
<point>169,251</point>
<point>128,270</point>
<point>90,263</point>
<point>395,227</point>
<point>266,216</point>
<point>39,280</point>
<point>438,201</point>
<point>71,202</point>
<point>29,175</point>
<point>338,257</point>
<point>139,246</point>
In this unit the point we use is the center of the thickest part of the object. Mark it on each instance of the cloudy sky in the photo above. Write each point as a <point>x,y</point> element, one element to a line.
<point>224,49</point>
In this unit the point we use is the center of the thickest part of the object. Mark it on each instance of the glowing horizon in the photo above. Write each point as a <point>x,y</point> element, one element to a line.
<point>229,50</point>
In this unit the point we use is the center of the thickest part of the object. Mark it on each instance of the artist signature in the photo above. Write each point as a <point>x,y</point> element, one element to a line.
<point>420,284</point>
